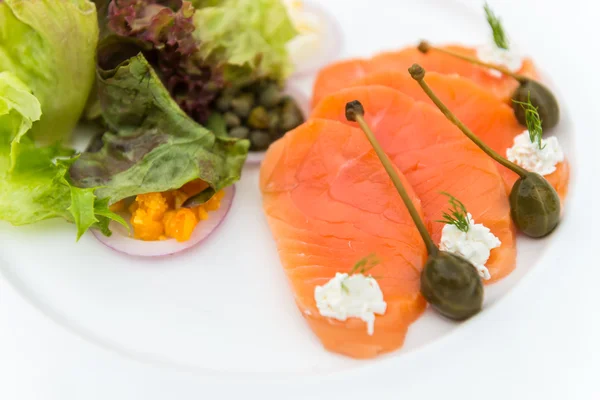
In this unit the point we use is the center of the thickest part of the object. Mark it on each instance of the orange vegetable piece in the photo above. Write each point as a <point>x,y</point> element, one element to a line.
<point>180,225</point>
<point>145,227</point>
<point>118,206</point>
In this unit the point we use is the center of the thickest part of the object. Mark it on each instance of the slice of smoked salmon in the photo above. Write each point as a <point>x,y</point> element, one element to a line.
<point>489,118</point>
<point>435,157</point>
<point>339,75</point>
<point>329,203</point>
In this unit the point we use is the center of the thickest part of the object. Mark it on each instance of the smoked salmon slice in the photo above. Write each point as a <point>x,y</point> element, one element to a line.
<point>435,157</point>
<point>329,203</point>
<point>489,118</point>
<point>340,75</point>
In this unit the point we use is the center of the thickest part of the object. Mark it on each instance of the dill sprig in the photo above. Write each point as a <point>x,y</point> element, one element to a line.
<point>532,121</point>
<point>365,264</point>
<point>497,29</point>
<point>456,215</point>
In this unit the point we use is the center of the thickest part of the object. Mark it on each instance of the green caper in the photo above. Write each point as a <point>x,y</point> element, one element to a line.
<point>291,116</point>
<point>452,286</point>
<point>239,132</point>
<point>270,96</point>
<point>242,104</point>
<point>274,123</point>
<point>449,283</point>
<point>259,118</point>
<point>534,205</point>
<point>231,120</point>
<point>541,98</point>
<point>259,140</point>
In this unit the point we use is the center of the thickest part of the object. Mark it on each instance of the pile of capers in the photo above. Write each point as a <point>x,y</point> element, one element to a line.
<point>260,112</point>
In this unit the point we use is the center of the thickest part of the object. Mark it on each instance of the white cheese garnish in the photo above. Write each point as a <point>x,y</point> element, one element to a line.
<point>310,31</point>
<point>529,155</point>
<point>346,296</point>
<point>474,245</point>
<point>495,55</point>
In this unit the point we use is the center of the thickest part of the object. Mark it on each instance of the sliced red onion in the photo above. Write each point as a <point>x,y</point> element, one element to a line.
<point>256,157</point>
<point>331,42</point>
<point>120,240</point>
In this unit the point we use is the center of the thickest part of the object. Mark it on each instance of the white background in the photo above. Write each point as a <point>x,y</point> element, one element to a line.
<point>541,341</point>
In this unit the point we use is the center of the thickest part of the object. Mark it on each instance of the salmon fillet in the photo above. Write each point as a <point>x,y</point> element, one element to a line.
<point>435,157</point>
<point>337,76</point>
<point>329,203</point>
<point>489,118</point>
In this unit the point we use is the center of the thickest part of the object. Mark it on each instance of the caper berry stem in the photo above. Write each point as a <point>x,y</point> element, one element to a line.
<point>418,73</point>
<point>355,112</point>
<point>425,47</point>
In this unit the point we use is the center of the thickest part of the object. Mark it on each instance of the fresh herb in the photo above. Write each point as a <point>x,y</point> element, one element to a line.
<point>457,214</point>
<point>497,29</point>
<point>532,121</point>
<point>365,264</point>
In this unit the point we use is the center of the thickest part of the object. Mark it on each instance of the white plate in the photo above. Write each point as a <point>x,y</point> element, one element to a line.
<point>224,311</point>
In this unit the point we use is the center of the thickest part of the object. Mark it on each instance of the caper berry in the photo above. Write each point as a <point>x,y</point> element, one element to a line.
<point>231,120</point>
<point>242,104</point>
<point>270,96</point>
<point>259,118</point>
<point>541,98</point>
<point>449,283</point>
<point>534,205</point>
<point>239,132</point>
<point>259,140</point>
<point>452,286</point>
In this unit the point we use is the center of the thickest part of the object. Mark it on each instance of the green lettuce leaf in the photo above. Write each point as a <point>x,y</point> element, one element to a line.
<point>248,36</point>
<point>151,145</point>
<point>50,45</point>
<point>34,182</point>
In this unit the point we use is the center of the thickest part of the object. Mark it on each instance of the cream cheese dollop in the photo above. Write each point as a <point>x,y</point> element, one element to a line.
<point>475,245</point>
<point>528,155</point>
<point>351,296</point>
<point>493,54</point>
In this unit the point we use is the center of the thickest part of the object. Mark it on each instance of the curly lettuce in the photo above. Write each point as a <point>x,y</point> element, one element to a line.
<point>249,37</point>
<point>151,145</point>
<point>50,45</point>
<point>34,182</point>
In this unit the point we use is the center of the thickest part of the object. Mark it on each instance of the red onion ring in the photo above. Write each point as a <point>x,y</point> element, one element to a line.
<point>332,42</point>
<point>256,157</point>
<point>120,240</point>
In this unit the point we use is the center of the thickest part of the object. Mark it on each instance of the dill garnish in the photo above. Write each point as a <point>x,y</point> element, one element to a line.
<point>532,121</point>
<point>497,29</point>
<point>365,264</point>
<point>456,215</point>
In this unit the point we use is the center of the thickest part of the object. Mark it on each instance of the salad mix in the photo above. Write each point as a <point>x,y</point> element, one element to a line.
<point>176,87</point>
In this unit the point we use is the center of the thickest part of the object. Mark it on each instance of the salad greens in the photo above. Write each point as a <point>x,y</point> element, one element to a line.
<point>35,184</point>
<point>50,46</point>
<point>152,145</point>
<point>155,67</point>
<point>248,36</point>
